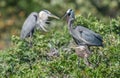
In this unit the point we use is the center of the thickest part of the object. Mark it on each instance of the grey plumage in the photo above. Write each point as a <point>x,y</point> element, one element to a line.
<point>86,37</point>
<point>83,37</point>
<point>35,20</point>
<point>29,25</point>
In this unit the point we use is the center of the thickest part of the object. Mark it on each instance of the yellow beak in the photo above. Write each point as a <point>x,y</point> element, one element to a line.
<point>53,16</point>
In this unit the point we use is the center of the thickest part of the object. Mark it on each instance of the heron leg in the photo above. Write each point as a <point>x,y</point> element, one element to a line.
<point>86,61</point>
<point>30,41</point>
<point>86,56</point>
<point>100,53</point>
<point>78,61</point>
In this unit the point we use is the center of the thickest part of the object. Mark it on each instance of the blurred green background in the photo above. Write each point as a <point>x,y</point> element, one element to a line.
<point>14,12</point>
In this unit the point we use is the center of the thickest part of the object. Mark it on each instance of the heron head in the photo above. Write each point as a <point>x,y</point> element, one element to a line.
<point>44,14</point>
<point>43,19</point>
<point>69,14</point>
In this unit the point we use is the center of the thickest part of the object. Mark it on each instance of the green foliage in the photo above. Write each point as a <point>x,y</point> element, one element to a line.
<point>24,61</point>
<point>14,12</point>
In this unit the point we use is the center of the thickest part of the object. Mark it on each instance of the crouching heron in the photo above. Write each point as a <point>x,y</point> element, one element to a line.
<point>35,20</point>
<point>83,37</point>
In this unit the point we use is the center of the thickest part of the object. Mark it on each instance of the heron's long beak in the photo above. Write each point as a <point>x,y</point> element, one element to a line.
<point>64,16</point>
<point>53,16</point>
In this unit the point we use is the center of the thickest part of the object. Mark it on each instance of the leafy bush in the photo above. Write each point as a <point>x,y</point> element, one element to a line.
<point>23,61</point>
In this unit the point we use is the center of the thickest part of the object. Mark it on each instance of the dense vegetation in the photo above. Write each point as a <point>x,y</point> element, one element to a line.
<point>19,60</point>
<point>14,12</point>
<point>22,61</point>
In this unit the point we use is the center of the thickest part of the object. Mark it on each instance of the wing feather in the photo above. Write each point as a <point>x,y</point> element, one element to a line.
<point>88,37</point>
<point>29,25</point>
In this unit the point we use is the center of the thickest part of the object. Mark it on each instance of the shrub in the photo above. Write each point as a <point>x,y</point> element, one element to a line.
<point>22,61</point>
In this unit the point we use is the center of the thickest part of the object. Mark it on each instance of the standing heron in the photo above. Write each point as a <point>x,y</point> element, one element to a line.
<point>83,37</point>
<point>35,20</point>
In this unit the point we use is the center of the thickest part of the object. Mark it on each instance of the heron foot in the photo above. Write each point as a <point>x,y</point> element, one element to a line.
<point>30,44</point>
<point>86,61</point>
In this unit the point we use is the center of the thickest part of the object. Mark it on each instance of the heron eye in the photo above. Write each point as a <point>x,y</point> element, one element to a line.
<point>68,14</point>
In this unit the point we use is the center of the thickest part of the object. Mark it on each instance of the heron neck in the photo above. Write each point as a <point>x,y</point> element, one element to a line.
<point>70,27</point>
<point>41,22</point>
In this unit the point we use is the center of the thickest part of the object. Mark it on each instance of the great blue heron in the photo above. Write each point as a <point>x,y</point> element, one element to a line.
<point>35,20</point>
<point>83,37</point>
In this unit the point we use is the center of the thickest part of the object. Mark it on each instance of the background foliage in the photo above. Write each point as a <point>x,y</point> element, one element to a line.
<point>14,12</point>
<point>19,60</point>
